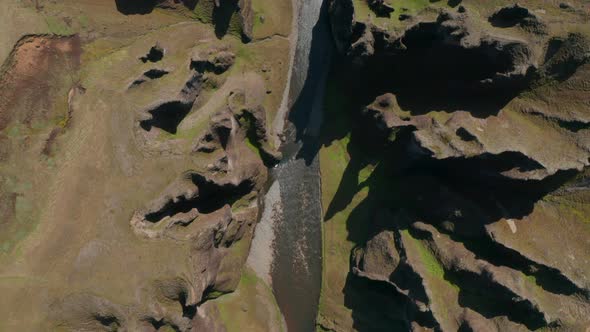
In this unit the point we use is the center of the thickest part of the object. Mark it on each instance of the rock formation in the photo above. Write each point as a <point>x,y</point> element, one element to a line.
<point>135,144</point>
<point>472,125</point>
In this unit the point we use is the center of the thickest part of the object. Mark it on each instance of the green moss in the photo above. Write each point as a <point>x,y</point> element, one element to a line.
<point>337,152</point>
<point>239,310</point>
<point>243,202</point>
<point>188,134</point>
<point>167,328</point>
<point>571,208</point>
<point>249,279</point>
<point>252,147</point>
<point>84,21</point>
<point>244,57</point>
<point>265,18</point>
<point>336,241</point>
<point>214,294</point>
<point>432,265</point>
<point>409,7</point>
<point>14,130</point>
<point>203,12</point>
<point>259,14</point>
<point>365,173</point>
<point>58,26</point>
<point>100,48</point>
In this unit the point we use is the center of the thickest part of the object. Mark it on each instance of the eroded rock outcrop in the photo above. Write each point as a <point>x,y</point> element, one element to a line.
<point>472,131</point>
<point>221,13</point>
<point>517,16</point>
<point>205,65</point>
<point>138,231</point>
<point>473,97</point>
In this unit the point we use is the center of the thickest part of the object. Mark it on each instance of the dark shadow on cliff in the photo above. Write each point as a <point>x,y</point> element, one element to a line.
<point>166,116</point>
<point>300,113</point>
<point>467,192</point>
<point>133,7</point>
<point>439,194</point>
<point>362,294</point>
<point>222,16</point>
<point>427,73</point>
<point>458,196</point>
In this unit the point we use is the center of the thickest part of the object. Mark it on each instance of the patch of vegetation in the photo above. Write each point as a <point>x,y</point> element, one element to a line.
<point>431,263</point>
<point>84,21</point>
<point>204,11</point>
<point>243,310</point>
<point>214,294</point>
<point>57,26</point>
<point>365,174</point>
<point>348,199</point>
<point>186,134</point>
<point>271,18</point>
<point>99,49</point>
<point>14,130</point>
<point>579,210</point>
<point>252,146</point>
<point>225,19</point>
<point>403,7</point>
<point>244,56</point>
<point>259,17</point>
<point>24,222</point>
<point>243,202</point>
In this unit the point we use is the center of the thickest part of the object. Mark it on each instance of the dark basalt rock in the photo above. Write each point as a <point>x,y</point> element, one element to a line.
<point>380,256</point>
<point>436,65</point>
<point>517,16</point>
<point>342,22</point>
<point>565,56</point>
<point>224,12</point>
<point>381,8</point>
<point>403,17</point>
<point>472,178</point>
<point>213,61</point>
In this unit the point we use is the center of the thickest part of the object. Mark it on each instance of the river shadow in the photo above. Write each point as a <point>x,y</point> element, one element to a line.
<point>297,267</point>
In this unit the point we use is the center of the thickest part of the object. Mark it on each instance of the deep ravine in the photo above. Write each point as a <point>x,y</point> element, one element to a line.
<point>297,266</point>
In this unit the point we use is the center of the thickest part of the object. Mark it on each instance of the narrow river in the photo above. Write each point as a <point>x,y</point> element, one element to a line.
<point>297,268</point>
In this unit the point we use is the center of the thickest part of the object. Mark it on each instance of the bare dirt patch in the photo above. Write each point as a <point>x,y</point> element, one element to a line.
<point>28,73</point>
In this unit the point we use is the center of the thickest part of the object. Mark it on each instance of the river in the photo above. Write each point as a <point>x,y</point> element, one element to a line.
<point>296,271</point>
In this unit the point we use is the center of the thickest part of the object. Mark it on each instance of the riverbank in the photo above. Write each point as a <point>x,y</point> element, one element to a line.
<point>278,124</point>
<point>262,250</point>
<point>287,249</point>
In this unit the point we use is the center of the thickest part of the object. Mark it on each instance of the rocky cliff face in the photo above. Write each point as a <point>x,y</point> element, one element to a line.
<point>464,193</point>
<point>226,15</point>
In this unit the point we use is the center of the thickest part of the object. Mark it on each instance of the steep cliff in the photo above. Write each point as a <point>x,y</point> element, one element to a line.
<point>454,174</point>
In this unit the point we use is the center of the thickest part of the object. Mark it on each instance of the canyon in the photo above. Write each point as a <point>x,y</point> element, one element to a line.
<point>304,165</point>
